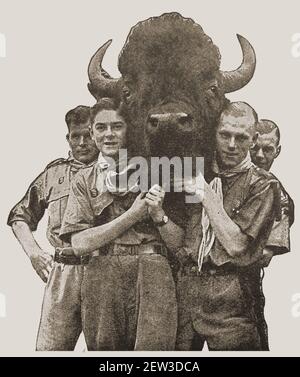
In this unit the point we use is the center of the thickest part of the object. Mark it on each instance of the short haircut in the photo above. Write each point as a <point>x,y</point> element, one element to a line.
<point>240,109</point>
<point>103,104</point>
<point>78,115</point>
<point>266,126</point>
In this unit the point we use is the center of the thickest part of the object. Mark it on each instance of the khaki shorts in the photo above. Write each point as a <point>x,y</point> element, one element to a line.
<point>217,308</point>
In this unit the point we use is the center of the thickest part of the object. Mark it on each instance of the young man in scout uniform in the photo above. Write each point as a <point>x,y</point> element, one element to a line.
<point>61,319</point>
<point>266,149</point>
<point>224,242</point>
<point>267,146</point>
<point>135,303</point>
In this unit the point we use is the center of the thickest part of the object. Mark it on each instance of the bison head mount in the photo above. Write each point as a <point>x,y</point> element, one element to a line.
<point>171,88</point>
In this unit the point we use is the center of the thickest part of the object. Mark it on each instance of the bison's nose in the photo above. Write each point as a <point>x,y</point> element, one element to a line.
<point>166,120</point>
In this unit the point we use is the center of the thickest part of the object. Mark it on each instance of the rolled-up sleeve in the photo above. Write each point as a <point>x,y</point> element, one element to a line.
<point>279,239</point>
<point>255,219</point>
<point>257,213</point>
<point>79,214</point>
<point>32,206</point>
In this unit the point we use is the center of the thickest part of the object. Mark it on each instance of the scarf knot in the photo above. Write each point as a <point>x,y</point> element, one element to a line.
<point>117,177</point>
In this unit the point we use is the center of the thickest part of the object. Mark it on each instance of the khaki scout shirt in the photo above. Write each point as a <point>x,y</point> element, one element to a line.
<point>249,199</point>
<point>90,204</point>
<point>50,190</point>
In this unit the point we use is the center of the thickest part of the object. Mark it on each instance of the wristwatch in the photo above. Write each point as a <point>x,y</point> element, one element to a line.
<point>163,221</point>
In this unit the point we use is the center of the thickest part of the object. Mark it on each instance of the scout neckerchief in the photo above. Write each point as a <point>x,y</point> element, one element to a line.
<point>116,179</point>
<point>101,162</point>
<point>208,237</point>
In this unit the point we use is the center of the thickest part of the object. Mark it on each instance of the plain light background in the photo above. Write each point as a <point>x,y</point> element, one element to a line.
<point>44,74</point>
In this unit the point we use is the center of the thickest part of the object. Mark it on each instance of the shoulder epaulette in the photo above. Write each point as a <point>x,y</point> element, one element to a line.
<point>261,173</point>
<point>58,161</point>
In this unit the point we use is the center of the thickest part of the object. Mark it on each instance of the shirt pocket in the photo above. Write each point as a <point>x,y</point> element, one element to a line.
<point>57,204</point>
<point>100,202</point>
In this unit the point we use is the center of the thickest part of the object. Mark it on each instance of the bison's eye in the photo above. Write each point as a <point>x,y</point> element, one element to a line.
<point>185,120</point>
<point>213,89</point>
<point>153,121</point>
<point>126,92</point>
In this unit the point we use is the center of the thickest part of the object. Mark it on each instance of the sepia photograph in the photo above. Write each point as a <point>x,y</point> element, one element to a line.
<point>150,189</point>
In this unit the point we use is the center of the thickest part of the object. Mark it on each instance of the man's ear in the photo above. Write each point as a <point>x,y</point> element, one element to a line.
<point>254,140</point>
<point>91,132</point>
<point>278,150</point>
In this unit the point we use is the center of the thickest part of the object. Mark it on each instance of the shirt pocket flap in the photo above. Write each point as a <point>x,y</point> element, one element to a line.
<point>59,191</point>
<point>100,202</point>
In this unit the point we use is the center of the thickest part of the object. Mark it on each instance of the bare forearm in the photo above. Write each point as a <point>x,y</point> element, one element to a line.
<point>226,230</point>
<point>171,234</point>
<point>91,239</point>
<point>41,261</point>
<point>25,237</point>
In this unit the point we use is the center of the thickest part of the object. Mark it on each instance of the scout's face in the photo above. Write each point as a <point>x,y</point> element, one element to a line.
<point>234,137</point>
<point>109,132</point>
<point>265,150</point>
<point>81,144</point>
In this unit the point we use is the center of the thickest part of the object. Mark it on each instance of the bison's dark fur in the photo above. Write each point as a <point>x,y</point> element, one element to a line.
<point>170,72</point>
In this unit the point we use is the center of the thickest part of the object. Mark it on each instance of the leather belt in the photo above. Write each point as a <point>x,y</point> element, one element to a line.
<point>141,249</point>
<point>115,249</point>
<point>210,269</point>
<point>72,259</point>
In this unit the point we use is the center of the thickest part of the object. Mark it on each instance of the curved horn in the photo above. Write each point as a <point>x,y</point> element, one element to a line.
<point>101,83</point>
<point>235,80</point>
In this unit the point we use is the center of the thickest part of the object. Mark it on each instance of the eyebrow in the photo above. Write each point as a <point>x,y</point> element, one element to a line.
<point>79,132</point>
<point>109,124</point>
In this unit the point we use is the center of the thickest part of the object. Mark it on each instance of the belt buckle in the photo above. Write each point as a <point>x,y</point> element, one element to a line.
<point>84,259</point>
<point>59,252</point>
<point>194,271</point>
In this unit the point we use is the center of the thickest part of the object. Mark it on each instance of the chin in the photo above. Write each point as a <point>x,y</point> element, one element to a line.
<point>262,166</point>
<point>87,158</point>
<point>84,160</point>
<point>230,164</point>
<point>110,153</point>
